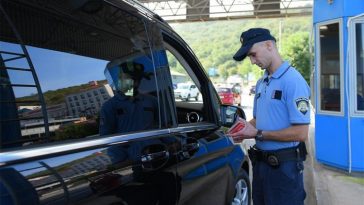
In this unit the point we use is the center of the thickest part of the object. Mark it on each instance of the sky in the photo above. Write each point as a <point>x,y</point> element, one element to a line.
<point>54,69</point>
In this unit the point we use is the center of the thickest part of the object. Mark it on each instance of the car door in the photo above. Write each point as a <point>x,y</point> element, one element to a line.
<point>61,79</point>
<point>210,161</point>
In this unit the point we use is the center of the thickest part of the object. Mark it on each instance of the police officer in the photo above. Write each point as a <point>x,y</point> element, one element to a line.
<point>133,112</point>
<point>280,123</point>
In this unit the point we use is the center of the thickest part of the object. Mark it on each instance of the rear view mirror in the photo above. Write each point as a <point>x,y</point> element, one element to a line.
<point>229,114</point>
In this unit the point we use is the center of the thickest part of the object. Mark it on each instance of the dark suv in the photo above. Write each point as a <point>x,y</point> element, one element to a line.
<point>88,113</point>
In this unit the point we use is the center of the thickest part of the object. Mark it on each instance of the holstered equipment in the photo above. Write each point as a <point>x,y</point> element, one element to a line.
<point>275,157</point>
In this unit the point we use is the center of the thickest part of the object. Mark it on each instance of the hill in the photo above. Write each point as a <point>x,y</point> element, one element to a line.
<point>215,43</point>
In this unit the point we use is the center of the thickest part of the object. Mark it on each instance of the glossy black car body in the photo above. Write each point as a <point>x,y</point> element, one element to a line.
<point>51,152</point>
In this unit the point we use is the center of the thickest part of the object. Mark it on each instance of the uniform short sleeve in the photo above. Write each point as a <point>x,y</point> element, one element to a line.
<point>297,99</point>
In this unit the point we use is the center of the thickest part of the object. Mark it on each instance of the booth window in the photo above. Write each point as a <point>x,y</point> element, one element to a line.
<point>359,39</point>
<point>330,72</point>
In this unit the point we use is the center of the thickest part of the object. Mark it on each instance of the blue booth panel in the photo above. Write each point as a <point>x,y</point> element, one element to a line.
<point>323,11</point>
<point>357,143</point>
<point>331,141</point>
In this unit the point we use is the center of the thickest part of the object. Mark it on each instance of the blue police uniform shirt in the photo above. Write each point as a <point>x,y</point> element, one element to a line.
<point>123,114</point>
<point>281,101</point>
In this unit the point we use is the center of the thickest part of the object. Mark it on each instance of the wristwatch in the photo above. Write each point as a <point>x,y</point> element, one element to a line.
<point>259,135</point>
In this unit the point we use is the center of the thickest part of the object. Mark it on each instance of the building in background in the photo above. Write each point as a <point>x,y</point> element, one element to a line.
<point>58,111</point>
<point>88,102</point>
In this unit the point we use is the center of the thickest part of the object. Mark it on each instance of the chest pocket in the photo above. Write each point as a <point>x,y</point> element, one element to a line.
<point>277,94</point>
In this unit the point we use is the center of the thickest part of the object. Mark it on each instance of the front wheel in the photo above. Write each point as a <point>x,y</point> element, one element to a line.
<point>242,190</point>
<point>196,98</point>
<point>187,98</point>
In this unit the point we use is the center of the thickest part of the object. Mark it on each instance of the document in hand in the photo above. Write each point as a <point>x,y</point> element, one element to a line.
<point>237,126</point>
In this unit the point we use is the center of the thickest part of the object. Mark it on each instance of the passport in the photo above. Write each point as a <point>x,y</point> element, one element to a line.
<point>237,126</point>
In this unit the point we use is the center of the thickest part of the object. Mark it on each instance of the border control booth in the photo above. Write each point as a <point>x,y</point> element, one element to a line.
<point>339,83</point>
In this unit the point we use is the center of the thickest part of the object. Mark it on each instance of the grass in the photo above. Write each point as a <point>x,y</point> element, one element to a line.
<point>358,180</point>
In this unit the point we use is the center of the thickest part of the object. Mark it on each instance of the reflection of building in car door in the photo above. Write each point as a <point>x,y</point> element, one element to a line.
<point>134,105</point>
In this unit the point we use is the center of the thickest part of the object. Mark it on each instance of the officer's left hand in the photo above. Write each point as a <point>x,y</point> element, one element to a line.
<point>248,132</point>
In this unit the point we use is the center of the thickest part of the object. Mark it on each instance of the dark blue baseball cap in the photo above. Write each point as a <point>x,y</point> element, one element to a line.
<point>249,38</point>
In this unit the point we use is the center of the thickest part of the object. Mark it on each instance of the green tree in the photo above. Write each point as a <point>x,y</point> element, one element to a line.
<point>223,73</point>
<point>215,43</point>
<point>76,131</point>
<point>296,49</point>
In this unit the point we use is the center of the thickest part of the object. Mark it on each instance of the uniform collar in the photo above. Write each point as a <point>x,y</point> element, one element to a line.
<point>279,72</point>
<point>122,97</point>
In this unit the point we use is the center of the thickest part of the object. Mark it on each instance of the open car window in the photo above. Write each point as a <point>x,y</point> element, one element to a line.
<point>187,93</point>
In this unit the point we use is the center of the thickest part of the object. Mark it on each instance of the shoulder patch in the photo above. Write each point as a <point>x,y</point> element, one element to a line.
<point>302,105</point>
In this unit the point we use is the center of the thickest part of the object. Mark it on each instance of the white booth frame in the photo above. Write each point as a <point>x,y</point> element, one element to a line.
<point>352,56</point>
<point>318,67</point>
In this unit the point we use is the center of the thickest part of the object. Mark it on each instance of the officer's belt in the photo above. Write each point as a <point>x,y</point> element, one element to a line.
<point>274,157</point>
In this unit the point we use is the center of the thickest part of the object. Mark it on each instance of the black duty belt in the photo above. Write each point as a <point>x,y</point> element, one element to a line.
<point>275,157</point>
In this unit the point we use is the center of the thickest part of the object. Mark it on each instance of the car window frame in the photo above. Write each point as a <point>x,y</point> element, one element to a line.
<point>183,53</point>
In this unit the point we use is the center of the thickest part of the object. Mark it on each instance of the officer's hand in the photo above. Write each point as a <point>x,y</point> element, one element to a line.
<point>247,132</point>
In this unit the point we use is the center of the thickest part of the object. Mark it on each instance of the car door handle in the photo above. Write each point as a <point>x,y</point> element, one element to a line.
<point>191,147</point>
<point>155,160</point>
<point>156,156</point>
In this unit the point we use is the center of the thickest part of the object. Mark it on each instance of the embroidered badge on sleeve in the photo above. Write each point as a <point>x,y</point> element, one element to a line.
<point>302,105</point>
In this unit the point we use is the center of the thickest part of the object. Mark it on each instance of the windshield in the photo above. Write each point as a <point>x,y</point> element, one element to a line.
<point>223,90</point>
<point>183,86</point>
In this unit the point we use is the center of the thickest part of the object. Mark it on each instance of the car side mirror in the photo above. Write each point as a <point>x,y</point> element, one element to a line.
<point>229,114</point>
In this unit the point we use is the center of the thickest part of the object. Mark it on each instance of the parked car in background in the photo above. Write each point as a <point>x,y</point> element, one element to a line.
<point>230,94</point>
<point>185,91</point>
<point>252,90</point>
<point>226,95</point>
<point>73,58</point>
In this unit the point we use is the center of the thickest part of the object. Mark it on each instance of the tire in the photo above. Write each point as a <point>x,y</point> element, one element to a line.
<point>242,194</point>
<point>188,97</point>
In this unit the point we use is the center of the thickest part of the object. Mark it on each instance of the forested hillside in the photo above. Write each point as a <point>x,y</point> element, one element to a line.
<point>215,43</point>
